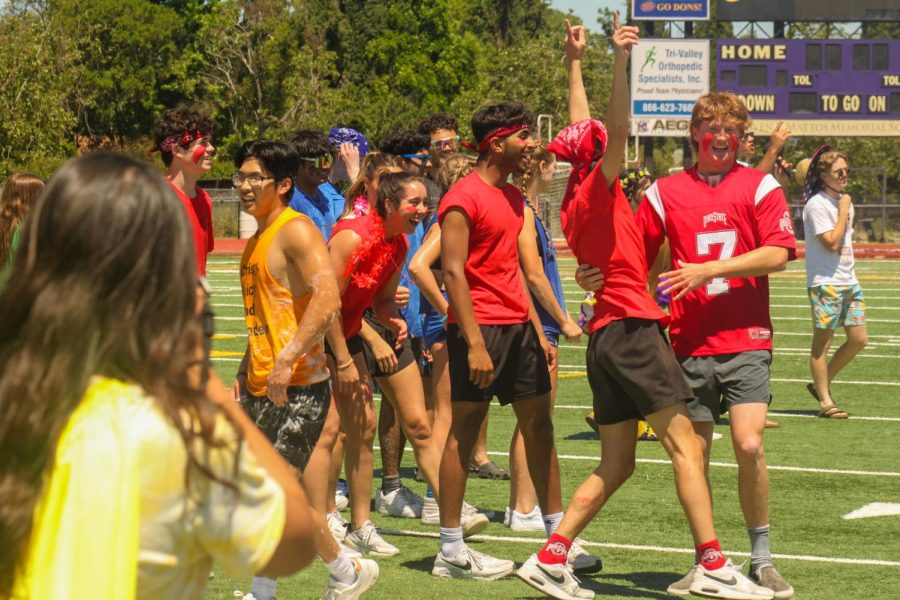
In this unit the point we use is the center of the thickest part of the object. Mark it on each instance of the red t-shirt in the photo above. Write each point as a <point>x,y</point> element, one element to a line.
<point>745,211</point>
<point>199,212</point>
<point>599,225</point>
<point>370,267</point>
<point>492,268</point>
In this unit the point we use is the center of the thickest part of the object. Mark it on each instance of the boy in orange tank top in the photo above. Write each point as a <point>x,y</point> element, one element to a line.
<point>290,298</point>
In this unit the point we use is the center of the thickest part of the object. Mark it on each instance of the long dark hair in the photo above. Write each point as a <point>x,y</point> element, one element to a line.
<point>20,192</point>
<point>104,283</point>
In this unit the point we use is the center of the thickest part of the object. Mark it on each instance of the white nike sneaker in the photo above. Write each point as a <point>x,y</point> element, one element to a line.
<point>367,541</point>
<point>682,587</point>
<point>553,580</point>
<point>533,521</point>
<point>728,582</point>
<point>341,502</point>
<point>337,525</point>
<point>471,564</point>
<point>366,575</point>
<point>471,519</point>
<point>402,502</point>
<point>582,561</point>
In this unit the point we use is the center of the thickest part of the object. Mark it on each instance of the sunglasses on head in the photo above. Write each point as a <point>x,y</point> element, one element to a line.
<point>319,162</point>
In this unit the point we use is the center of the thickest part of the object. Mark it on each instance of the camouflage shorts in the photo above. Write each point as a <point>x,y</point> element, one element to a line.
<point>295,427</point>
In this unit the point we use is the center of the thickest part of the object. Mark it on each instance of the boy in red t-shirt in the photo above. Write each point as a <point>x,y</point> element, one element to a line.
<point>493,346</point>
<point>632,369</point>
<point>183,138</point>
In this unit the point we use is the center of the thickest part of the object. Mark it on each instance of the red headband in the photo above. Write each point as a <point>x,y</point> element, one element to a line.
<point>500,132</point>
<point>180,140</point>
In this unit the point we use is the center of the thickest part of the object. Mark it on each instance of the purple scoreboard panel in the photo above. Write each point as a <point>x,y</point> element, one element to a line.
<point>818,87</point>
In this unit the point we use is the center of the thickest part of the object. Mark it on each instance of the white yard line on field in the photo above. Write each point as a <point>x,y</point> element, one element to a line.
<point>536,541</point>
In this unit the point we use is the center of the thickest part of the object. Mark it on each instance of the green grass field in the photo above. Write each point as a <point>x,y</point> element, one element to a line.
<point>820,470</point>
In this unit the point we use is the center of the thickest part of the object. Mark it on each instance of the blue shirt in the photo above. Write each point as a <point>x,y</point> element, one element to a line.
<point>547,252</point>
<point>324,209</point>
<point>411,312</point>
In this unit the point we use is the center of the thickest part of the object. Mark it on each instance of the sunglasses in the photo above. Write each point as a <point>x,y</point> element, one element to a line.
<point>424,158</point>
<point>447,143</point>
<point>238,179</point>
<point>841,173</point>
<point>319,162</point>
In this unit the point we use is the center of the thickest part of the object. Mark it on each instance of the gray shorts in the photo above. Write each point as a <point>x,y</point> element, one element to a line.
<point>295,427</point>
<point>723,380</point>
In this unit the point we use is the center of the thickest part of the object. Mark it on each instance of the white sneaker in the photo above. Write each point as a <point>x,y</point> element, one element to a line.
<point>242,596</point>
<point>533,521</point>
<point>471,519</point>
<point>582,561</point>
<point>728,582</point>
<point>682,587</point>
<point>469,509</point>
<point>337,525</point>
<point>341,502</point>
<point>402,502</point>
<point>471,564</point>
<point>367,541</point>
<point>553,580</point>
<point>366,575</point>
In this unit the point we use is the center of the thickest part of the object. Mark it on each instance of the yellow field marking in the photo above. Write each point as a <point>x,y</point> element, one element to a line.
<point>224,353</point>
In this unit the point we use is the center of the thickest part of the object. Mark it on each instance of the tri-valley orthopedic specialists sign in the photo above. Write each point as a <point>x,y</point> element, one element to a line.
<point>667,77</point>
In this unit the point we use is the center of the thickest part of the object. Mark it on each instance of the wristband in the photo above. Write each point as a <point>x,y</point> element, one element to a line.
<point>444,320</point>
<point>346,364</point>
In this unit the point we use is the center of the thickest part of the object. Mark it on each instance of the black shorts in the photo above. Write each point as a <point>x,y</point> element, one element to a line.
<point>357,346</point>
<point>520,366</point>
<point>633,371</point>
<point>295,427</point>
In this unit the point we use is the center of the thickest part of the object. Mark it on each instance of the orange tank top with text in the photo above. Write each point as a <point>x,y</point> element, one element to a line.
<point>272,314</point>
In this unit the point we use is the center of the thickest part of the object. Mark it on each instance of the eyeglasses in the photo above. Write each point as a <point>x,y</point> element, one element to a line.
<point>447,143</point>
<point>424,158</point>
<point>319,162</point>
<point>841,173</point>
<point>238,179</point>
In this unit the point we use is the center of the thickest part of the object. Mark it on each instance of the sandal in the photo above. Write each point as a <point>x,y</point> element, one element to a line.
<point>833,412</point>
<point>489,470</point>
<point>772,424</point>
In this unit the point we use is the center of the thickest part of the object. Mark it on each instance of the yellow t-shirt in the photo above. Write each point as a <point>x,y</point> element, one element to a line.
<point>116,520</point>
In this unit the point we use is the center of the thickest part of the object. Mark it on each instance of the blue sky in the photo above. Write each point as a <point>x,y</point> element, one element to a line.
<point>587,9</point>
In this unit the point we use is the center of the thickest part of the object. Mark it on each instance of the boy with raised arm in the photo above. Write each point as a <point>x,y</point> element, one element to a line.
<point>631,368</point>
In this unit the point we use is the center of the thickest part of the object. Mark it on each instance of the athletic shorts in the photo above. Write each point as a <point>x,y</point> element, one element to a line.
<point>358,347</point>
<point>433,329</point>
<point>520,366</point>
<point>723,380</point>
<point>836,306</point>
<point>295,427</point>
<point>632,371</point>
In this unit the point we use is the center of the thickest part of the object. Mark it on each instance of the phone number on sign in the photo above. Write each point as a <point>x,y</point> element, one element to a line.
<point>665,108</point>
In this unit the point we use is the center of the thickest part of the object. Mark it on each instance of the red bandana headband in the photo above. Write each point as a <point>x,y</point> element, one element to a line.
<point>500,132</point>
<point>180,140</point>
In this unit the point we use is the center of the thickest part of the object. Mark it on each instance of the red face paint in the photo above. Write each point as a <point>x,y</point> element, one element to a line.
<point>198,154</point>
<point>706,144</point>
<point>733,142</point>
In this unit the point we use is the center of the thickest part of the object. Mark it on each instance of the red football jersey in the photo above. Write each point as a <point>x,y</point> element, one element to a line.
<point>599,225</point>
<point>745,211</point>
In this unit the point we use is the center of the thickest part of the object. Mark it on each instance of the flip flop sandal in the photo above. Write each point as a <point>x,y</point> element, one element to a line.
<point>772,424</point>
<point>833,412</point>
<point>490,470</point>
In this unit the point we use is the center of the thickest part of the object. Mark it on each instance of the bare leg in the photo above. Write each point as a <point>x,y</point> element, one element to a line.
<point>857,338</point>
<point>318,489</point>
<point>390,438</point>
<point>677,436</point>
<point>747,424</point>
<point>480,455</point>
<point>440,381</point>
<point>337,463</point>
<point>404,390</point>
<point>522,496</point>
<point>467,418</point>
<point>358,422</point>
<point>617,444</point>
<point>536,424</point>
<point>818,365</point>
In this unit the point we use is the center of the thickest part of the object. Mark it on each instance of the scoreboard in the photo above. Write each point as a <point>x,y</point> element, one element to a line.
<point>818,87</point>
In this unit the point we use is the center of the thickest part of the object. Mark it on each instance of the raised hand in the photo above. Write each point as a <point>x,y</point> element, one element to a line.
<point>576,41</point>
<point>624,36</point>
